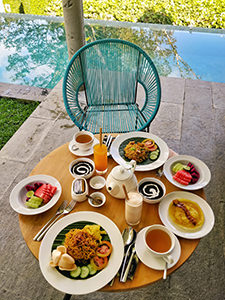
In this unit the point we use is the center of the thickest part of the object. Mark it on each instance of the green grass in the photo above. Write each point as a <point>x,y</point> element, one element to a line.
<point>13,113</point>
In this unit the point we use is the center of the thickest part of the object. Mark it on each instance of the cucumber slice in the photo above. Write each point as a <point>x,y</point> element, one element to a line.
<point>84,272</point>
<point>187,168</point>
<point>30,194</point>
<point>75,273</point>
<point>91,269</point>
<point>154,153</point>
<point>153,157</point>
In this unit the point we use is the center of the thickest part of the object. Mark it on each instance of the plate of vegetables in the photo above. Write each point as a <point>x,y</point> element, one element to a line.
<point>81,253</point>
<point>148,150</point>
<point>187,172</point>
<point>35,194</point>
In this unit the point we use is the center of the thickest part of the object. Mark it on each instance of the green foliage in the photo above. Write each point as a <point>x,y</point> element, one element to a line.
<point>13,114</point>
<point>197,13</point>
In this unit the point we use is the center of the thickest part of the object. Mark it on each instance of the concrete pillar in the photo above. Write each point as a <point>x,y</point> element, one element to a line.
<point>74,25</point>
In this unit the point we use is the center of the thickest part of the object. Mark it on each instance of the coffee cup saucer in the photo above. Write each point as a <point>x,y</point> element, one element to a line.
<point>79,152</point>
<point>151,261</point>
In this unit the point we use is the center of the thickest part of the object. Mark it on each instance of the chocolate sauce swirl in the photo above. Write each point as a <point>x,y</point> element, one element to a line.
<point>82,168</point>
<point>151,190</point>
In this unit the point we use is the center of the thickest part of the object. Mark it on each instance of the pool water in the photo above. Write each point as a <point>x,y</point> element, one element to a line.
<point>34,52</point>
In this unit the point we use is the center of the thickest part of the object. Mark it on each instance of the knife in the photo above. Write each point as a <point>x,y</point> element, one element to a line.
<point>124,276</point>
<point>126,260</point>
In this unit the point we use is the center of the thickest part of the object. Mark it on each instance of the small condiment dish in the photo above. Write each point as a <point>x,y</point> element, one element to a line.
<point>97,182</point>
<point>95,197</point>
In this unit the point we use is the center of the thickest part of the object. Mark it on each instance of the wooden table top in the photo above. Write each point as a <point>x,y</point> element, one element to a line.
<point>56,164</point>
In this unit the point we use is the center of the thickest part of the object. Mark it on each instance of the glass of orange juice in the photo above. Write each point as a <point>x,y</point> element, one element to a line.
<point>100,158</point>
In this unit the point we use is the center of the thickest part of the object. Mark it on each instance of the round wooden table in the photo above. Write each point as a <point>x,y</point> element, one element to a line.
<point>56,164</point>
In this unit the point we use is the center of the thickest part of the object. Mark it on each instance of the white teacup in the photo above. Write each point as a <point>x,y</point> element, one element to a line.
<point>160,241</point>
<point>83,140</point>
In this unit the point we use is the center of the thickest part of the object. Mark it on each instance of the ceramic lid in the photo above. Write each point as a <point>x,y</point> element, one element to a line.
<point>120,173</point>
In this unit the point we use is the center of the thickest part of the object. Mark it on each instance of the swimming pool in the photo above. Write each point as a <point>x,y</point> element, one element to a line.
<point>34,52</point>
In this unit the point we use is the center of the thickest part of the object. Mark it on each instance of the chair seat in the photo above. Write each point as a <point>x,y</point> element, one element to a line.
<point>113,118</point>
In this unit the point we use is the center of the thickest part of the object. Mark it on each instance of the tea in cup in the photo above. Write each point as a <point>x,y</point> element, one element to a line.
<point>160,242</point>
<point>83,140</point>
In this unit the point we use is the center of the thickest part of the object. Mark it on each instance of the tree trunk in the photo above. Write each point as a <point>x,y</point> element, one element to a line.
<point>74,25</point>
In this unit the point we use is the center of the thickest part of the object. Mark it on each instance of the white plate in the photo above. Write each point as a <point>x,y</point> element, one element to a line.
<point>201,167</point>
<point>156,263</point>
<point>80,152</point>
<point>18,195</point>
<point>208,214</point>
<point>80,287</point>
<point>164,150</point>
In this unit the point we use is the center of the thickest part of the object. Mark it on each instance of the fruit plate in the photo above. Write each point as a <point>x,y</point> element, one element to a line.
<point>89,285</point>
<point>18,195</point>
<point>207,211</point>
<point>201,167</point>
<point>122,140</point>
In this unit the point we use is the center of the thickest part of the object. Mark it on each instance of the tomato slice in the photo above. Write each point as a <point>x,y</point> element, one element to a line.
<point>153,148</point>
<point>104,249</point>
<point>99,263</point>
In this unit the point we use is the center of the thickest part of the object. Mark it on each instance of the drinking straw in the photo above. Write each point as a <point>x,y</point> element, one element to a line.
<point>100,137</point>
<point>125,192</point>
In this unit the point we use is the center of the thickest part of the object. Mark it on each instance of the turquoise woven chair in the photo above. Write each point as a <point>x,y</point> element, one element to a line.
<point>109,71</point>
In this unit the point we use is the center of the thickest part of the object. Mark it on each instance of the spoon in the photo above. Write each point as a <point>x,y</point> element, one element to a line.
<point>165,271</point>
<point>129,237</point>
<point>95,201</point>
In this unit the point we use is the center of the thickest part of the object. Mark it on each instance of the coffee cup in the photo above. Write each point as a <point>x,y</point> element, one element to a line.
<point>160,241</point>
<point>83,140</point>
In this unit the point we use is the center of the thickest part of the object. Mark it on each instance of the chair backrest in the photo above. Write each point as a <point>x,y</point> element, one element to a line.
<point>110,71</point>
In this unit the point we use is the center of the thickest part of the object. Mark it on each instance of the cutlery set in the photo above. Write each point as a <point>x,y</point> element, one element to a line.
<point>62,210</point>
<point>107,140</point>
<point>130,259</point>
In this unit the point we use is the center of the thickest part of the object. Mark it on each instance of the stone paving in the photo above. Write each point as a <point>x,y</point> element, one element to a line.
<point>23,92</point>
<point>191,119</point>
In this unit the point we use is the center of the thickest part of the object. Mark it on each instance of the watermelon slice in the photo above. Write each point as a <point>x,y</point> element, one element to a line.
<point>183,177</point>
<point>45,192</point>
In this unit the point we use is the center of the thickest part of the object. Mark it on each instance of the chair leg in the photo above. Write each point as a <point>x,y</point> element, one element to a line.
<point>67,297</point>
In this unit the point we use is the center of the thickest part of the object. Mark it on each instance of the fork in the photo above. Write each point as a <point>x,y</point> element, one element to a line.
<point>65,212</point>
<point>160,172</point>
<point>58,212</point>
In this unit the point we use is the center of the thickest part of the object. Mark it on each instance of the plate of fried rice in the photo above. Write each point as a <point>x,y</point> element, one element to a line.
<point>148,150</point>
<point>88,229</point>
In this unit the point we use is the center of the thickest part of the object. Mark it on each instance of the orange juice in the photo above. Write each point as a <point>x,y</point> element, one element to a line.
<point>100,158</point>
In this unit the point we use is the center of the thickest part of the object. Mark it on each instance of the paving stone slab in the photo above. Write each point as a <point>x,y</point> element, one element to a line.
<point>172,89</point>
<point>61,132</point>
<point>9,169</point>
<point>198,102</point>
<point>23,92</point>
<point>52,106</point>
<point>26,140</point>
<point>167,123</point>
<point>218,93</point>
<point>197,84</point>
